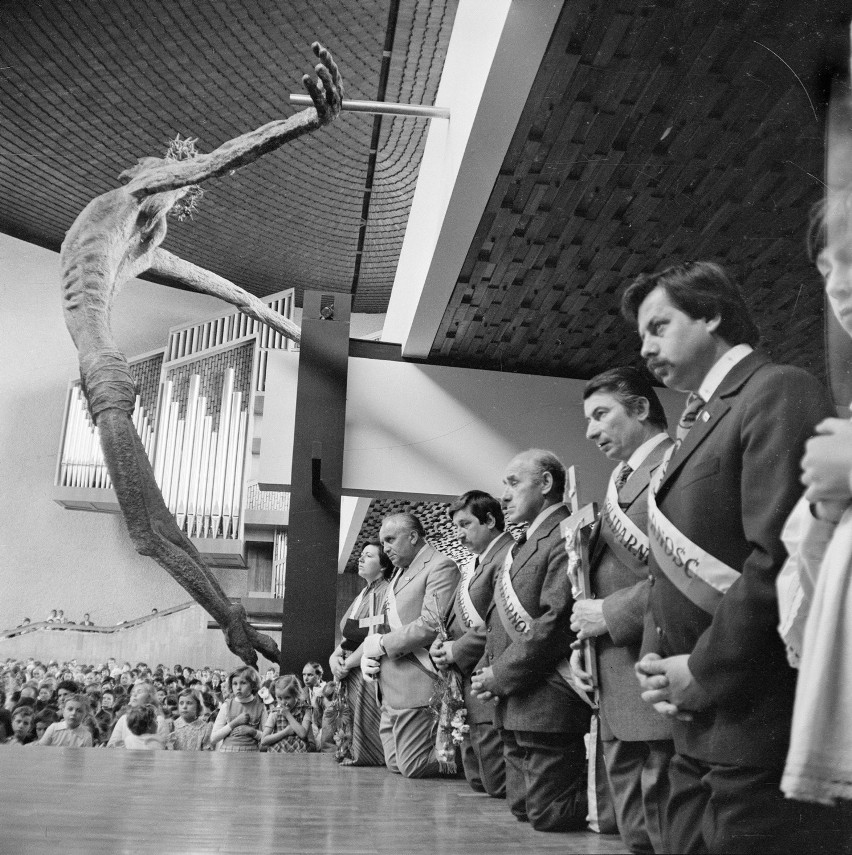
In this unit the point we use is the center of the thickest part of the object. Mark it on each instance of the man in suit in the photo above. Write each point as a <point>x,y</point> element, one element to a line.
<point>714,659</point>
<point>528,641</point>
<point>627,423</point>
<point>421,588</point>
<point>479,524</point>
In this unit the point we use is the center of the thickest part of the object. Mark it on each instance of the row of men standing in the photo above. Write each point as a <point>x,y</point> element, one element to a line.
<point>683,565</point>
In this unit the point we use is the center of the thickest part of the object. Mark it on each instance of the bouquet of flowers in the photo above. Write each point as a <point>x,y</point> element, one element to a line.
<point>447,703</point>
<point>339,707</point>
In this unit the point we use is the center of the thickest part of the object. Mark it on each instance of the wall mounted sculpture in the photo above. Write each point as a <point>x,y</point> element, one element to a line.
<point>117,237</point>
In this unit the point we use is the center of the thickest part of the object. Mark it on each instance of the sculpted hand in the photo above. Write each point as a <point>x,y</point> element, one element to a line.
<point>827,464</point>
<point>587,619</point>
<point>483,685</point>
<point>327,92</point>
<point>442,654</point>
<point>370,668</point>
<point>582,677</point>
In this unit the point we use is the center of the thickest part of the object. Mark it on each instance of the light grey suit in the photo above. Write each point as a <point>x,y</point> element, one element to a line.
<point>407,728</point>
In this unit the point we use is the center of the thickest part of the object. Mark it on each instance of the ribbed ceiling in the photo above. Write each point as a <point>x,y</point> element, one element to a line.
<point>88,87</point>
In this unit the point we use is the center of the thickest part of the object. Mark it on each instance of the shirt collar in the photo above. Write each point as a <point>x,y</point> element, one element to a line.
<point>638,457</point>
<point>721,368</point>
<point>488,548</point>
<point>543,516</point>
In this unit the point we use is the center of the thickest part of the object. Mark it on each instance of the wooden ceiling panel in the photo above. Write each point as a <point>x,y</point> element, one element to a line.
<point>656,133</point>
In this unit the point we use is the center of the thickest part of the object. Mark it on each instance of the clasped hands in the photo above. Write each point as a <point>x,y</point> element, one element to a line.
<point>441,653</point>
<point>668,685</point>
<point>371,653</point>
<point>338,667</point>
<point>240,726</point>
<point>483,685</point>
<point>827,468</point>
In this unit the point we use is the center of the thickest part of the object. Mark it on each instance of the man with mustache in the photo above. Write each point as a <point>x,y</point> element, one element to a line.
<point>713,660</point>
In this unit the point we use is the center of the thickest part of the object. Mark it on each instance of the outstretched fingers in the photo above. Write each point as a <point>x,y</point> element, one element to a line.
<point>327,91</point>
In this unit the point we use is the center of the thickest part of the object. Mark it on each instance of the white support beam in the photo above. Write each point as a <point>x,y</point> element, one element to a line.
<point>493,56</point>
<point>353,511</point>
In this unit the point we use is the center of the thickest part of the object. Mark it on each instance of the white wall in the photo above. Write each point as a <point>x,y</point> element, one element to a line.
<point>435,432</point>
<point>51,557</point>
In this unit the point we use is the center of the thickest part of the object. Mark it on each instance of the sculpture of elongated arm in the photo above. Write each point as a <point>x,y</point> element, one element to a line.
<point>198,279</point>
<point>327,96</point>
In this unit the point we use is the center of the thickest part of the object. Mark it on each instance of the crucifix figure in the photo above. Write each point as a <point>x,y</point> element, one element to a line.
<point>117,237</point>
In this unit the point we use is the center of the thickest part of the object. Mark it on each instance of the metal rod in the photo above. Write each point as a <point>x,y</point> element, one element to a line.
<point>383,108</point>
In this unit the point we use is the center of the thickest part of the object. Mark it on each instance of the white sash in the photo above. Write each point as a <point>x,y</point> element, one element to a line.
<point>357,604</point>
<point>620,532</point>
<point>395,622</point>
<point>702,578</point>
<point>471,617</point>
<point>517,621</point>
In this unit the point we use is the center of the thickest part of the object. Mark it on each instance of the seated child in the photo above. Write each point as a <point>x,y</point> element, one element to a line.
<point>142,729</point>
<point>70,732</point>
<point>43,720</point>
<point>192,731</point>
<point>240,720</point>
<point>22,722</point>
<point>289,727</point>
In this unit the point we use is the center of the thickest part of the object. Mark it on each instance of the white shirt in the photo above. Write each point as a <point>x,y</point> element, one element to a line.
<point>721,368</point>
<point>638,457</point>
<point>488,548</point>
<point>543,516</point>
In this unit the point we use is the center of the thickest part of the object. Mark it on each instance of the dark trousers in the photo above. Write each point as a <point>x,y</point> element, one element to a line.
<point>639,783</point>
<point>735,809</point>
<point>546,779</point>
<point>482,756</point>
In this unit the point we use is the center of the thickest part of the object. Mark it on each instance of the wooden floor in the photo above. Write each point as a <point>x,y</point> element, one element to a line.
<point>92,801</point>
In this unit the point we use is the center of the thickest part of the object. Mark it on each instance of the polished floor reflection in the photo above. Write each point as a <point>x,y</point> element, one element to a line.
<point>109,801</point>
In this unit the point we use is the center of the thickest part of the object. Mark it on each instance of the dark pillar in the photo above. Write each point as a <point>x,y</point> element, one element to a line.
<point>310,590</point>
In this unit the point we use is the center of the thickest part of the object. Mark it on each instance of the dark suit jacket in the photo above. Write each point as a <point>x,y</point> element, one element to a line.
<point>729,488</point>
<point>533,697</point>
<point>469,644</point>
<point>624,715</point>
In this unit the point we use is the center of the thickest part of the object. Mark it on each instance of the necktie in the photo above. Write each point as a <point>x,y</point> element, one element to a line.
<point>519,543</point>
<point>694,403</point>
<point>623,474</point>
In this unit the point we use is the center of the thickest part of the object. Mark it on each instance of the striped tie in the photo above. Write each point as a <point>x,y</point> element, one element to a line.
<point>623,474</point>
<point>519,543</point>
<point>694,404</point>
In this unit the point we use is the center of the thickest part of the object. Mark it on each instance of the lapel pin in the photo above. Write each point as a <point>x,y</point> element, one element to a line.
<point>705,416</point>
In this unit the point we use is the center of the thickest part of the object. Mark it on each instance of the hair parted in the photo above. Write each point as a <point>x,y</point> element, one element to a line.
<point>630,386</point>
<point>480,504</point>
<point>384,561</point>
<point>249,673</point>
<point>700,289</point>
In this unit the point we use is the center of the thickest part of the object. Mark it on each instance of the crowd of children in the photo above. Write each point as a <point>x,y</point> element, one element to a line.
<point>144,708</point>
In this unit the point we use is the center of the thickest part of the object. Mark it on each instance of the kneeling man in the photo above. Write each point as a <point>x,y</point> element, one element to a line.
<point>528,639</point>
<point>421,587</point>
